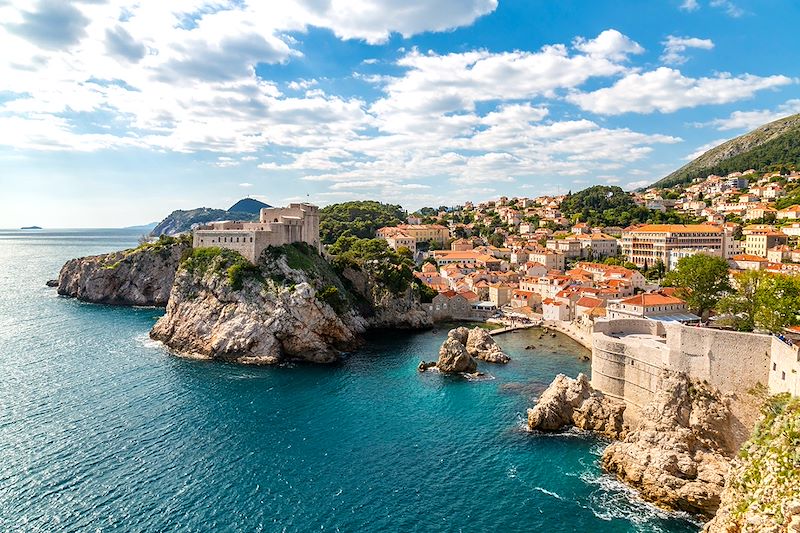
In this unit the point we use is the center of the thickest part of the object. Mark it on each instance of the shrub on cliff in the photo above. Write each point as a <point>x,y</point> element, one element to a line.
<point>222,261</point>
<point>375,257</point>
<point>763,491</point>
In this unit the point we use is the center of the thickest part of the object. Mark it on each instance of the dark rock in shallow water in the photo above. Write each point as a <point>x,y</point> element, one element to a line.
<point>52,283</point>
<point>425,365</point>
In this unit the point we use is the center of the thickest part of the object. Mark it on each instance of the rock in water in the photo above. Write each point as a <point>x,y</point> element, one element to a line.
<point>482,346</point>
<point>573,402</point>
<point>677,456</point>
<point>141,276</point>
<point>454,358</point>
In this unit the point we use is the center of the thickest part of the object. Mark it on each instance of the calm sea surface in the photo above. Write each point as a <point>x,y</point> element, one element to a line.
<point>103,430</point>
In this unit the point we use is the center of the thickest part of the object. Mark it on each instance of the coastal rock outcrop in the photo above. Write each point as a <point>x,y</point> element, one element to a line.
<point>482,346</point>
<point>140,276</point>
<point>292,304</point>
<point>463,346</point>
<point>573,402</point>
<point>254,318</point>
<point>454,358</point>
<point>677,457</point>
<point>762,491</point>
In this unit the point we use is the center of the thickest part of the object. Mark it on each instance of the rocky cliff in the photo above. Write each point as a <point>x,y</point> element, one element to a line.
<point>291,305</point>
<point>141,276</point>
<point>762,492</point>
<point>386,309</point>
<point>679,454</point>
<point>573,402</point>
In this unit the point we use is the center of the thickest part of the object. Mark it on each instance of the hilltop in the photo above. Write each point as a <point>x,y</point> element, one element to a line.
<point>246,209</point>
<point>773,144</point>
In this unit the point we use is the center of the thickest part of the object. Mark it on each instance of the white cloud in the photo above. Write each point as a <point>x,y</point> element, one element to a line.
<point>667,90</point>
<point>748,120</point>
<point>675,46</point>
<point>690,5</point>
<point>245,185</point>
<point>730,8</point>
<point>611,44</point>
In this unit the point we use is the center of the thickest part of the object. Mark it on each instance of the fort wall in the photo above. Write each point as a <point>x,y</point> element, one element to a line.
<point>277,226</point>
<point>630,355</point>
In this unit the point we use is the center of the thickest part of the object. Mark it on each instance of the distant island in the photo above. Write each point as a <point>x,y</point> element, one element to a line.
<point>30,227</point>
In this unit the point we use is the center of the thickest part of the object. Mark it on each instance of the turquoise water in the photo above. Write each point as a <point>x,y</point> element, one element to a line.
<point>101,429</point>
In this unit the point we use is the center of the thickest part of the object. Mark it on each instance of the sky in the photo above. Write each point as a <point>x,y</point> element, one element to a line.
<point>116,112</point>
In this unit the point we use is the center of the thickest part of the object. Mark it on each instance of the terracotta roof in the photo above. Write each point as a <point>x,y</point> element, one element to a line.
<point>588,301</point>
<point>748,257</point>
<point>650,299</point>
<point>677,228</point>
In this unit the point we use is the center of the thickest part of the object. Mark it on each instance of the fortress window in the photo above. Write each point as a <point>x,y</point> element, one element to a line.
<point>783,376</point>
<point>774,366</point>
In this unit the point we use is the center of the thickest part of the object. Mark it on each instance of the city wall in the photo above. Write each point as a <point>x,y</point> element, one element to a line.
<point>629,356</point>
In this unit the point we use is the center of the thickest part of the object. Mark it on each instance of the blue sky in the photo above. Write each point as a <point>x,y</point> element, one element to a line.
<point>115,112</point>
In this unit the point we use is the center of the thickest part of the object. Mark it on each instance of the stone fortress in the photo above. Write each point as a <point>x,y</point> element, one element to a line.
<point>630,355</point>
<point>276,226</point>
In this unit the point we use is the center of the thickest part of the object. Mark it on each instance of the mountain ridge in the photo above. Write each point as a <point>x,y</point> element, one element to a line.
<point>180,220</point>
<point>774,143</point>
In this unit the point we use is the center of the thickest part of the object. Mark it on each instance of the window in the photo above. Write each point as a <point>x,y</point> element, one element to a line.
<point>774,366</point>
<point>783,376</point>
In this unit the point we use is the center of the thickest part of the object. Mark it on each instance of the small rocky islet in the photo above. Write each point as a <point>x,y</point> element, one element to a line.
<point>461,350</point>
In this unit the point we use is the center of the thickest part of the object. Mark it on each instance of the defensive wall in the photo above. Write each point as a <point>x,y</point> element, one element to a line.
<point>630,355</point>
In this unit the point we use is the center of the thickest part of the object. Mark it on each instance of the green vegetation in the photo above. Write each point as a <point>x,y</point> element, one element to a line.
<point>773,451</point>
<point>425,293</point>
<point>358,219</point>
<point>602,205</point>
<point>769,147</point>
<point>763,300</point>
<point>702,280</point>
<point>374,256</point>
<point>164,243</point>
<point>161,246</point>
<point>331,287</point>
<point>222,261</point>
<point>331,296</point>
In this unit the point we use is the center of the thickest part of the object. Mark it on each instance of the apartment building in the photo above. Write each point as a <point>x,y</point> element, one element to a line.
<point>646,245</point>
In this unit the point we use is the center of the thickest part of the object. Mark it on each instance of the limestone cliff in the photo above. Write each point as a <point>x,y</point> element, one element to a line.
<point>573,402</point>
<point>292,305</point>
<point>678,455</point>
<point>141,276</point>
<point>386,309</point>
<point>256,324</point>
<point>762,492</point>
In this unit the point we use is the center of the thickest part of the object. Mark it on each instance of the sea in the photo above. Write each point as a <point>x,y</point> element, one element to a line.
<point>102,429</point>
